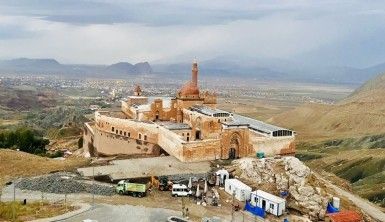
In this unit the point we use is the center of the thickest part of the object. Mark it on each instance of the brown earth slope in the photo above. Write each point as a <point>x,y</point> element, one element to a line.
<point>15,164</point>
<point>362,113</point>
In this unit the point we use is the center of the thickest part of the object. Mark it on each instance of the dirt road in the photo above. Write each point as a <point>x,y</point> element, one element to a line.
<point>365,205</point>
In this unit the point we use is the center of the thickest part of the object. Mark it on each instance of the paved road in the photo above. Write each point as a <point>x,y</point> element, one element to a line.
<point>369,208</point>
<point>106,212</point>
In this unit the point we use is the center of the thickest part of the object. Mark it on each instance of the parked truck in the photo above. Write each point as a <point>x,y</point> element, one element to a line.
<point>124,187</point>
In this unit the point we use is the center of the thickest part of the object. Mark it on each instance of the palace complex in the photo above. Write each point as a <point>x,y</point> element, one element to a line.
<point>188,126</point>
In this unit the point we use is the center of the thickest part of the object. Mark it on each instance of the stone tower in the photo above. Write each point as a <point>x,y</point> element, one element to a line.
<point>137,91</point>
<point>194,73</point>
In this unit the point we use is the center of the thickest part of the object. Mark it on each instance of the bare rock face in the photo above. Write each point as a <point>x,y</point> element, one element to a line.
<point>286,174</point>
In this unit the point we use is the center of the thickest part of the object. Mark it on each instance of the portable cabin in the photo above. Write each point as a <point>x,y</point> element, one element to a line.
<point>269,202</point>
<point>240,190</point>
<point>222,175</point>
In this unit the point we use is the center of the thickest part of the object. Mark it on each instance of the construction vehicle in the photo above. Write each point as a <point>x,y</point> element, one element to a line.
<point>162,183</point>
<point>124,187</point>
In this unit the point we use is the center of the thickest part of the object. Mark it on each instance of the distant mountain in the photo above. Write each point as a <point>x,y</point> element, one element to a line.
<point>50,67</point>
<point>128,68</point>
<point>23,65</point>
<point>276,70</point>
<point>225,68</point>
<point>261,69</point>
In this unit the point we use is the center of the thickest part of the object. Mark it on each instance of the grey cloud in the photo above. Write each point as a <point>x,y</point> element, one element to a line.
<point>14,32</point>
<point>152,13</point>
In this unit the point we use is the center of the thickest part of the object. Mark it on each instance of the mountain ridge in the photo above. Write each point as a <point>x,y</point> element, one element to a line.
<point>359,114</point>
<point>262,69</point>
<point>21,66</point>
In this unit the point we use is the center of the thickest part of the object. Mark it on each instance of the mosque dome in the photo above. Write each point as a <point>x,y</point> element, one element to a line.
<point>189,89</point>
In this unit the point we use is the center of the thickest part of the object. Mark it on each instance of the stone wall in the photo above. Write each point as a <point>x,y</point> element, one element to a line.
<point>88,139</point>
<point>124,136</point>
<point>193,151</point>
<point>126,127</point>
<point>238,139</point>
<point>209,127</point>
<point>272,145</point>
<point>112,144</point>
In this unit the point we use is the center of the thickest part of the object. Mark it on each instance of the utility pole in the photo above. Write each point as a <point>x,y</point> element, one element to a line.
<point>232,206</point>
<point>14,201</point>
<point>65,200</point>
<point>93,186</point>
<point>14,191</point>
<point>42,198</point>
<point>183,207</point>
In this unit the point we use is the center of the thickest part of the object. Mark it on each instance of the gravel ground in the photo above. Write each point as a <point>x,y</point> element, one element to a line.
<point>64,183</point>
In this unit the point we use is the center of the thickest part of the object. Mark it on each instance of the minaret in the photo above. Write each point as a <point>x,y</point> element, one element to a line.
<point>137,91</point>
<point>194,73</point>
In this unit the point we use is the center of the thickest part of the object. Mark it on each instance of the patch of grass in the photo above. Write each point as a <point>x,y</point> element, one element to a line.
<point>16,210</point>
<point>308,156</point>
<point>361,168</point>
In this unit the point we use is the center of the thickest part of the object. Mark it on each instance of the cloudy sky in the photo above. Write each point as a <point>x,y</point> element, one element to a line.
<point>338,32</point>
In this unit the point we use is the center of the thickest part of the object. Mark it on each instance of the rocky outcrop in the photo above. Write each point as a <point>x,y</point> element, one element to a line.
<point>286,174</point>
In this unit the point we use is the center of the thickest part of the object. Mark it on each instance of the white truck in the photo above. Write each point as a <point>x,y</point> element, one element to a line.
<point>180,190</point>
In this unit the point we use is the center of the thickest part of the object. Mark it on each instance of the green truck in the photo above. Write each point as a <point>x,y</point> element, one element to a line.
<point>134,189</point>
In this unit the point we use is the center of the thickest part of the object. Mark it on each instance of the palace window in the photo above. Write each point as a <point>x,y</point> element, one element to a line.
<point>145,137</point>
<point>113,129</point>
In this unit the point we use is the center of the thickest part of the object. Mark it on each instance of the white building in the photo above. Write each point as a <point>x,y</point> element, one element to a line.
<point>269,202</point>
<point>222,175</point>
<point>240,190</point>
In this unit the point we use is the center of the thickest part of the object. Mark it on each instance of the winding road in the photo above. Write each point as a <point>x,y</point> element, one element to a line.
<point>369,208</point>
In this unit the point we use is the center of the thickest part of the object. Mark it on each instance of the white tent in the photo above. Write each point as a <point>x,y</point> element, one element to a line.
<point>205,187</point>
<point>198,193</point>
<point>223,175</point>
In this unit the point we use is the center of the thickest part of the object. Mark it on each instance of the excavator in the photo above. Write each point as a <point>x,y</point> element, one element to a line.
<point>161,183</point>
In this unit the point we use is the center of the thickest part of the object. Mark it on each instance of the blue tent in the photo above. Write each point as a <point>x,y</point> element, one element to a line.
<point>254,210</point>
<point>331,209</point>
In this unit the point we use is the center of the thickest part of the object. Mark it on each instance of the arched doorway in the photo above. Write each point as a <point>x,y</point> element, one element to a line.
<point>234,146</point>
<point>198,125</point>
<point>157,115</point>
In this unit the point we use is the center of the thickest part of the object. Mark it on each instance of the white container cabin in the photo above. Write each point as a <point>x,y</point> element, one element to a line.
<point>269,202</point>
<point>240,190</point>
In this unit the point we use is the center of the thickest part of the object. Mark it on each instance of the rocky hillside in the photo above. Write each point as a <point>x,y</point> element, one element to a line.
<point>307,194</point>
<point>362,113</point>
<point>26,99</point>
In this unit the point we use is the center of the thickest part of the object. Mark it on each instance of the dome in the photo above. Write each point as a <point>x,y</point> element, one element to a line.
<point>189,89</point>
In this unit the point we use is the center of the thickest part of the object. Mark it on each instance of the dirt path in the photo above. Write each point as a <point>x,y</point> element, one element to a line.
<point>365,205</point>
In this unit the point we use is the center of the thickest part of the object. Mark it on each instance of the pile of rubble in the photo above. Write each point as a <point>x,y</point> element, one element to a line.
<point>305,192</point>
<point>64,183</point>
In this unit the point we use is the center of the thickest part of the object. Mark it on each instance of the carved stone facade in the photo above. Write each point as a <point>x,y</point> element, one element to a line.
<point>188,126</point>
